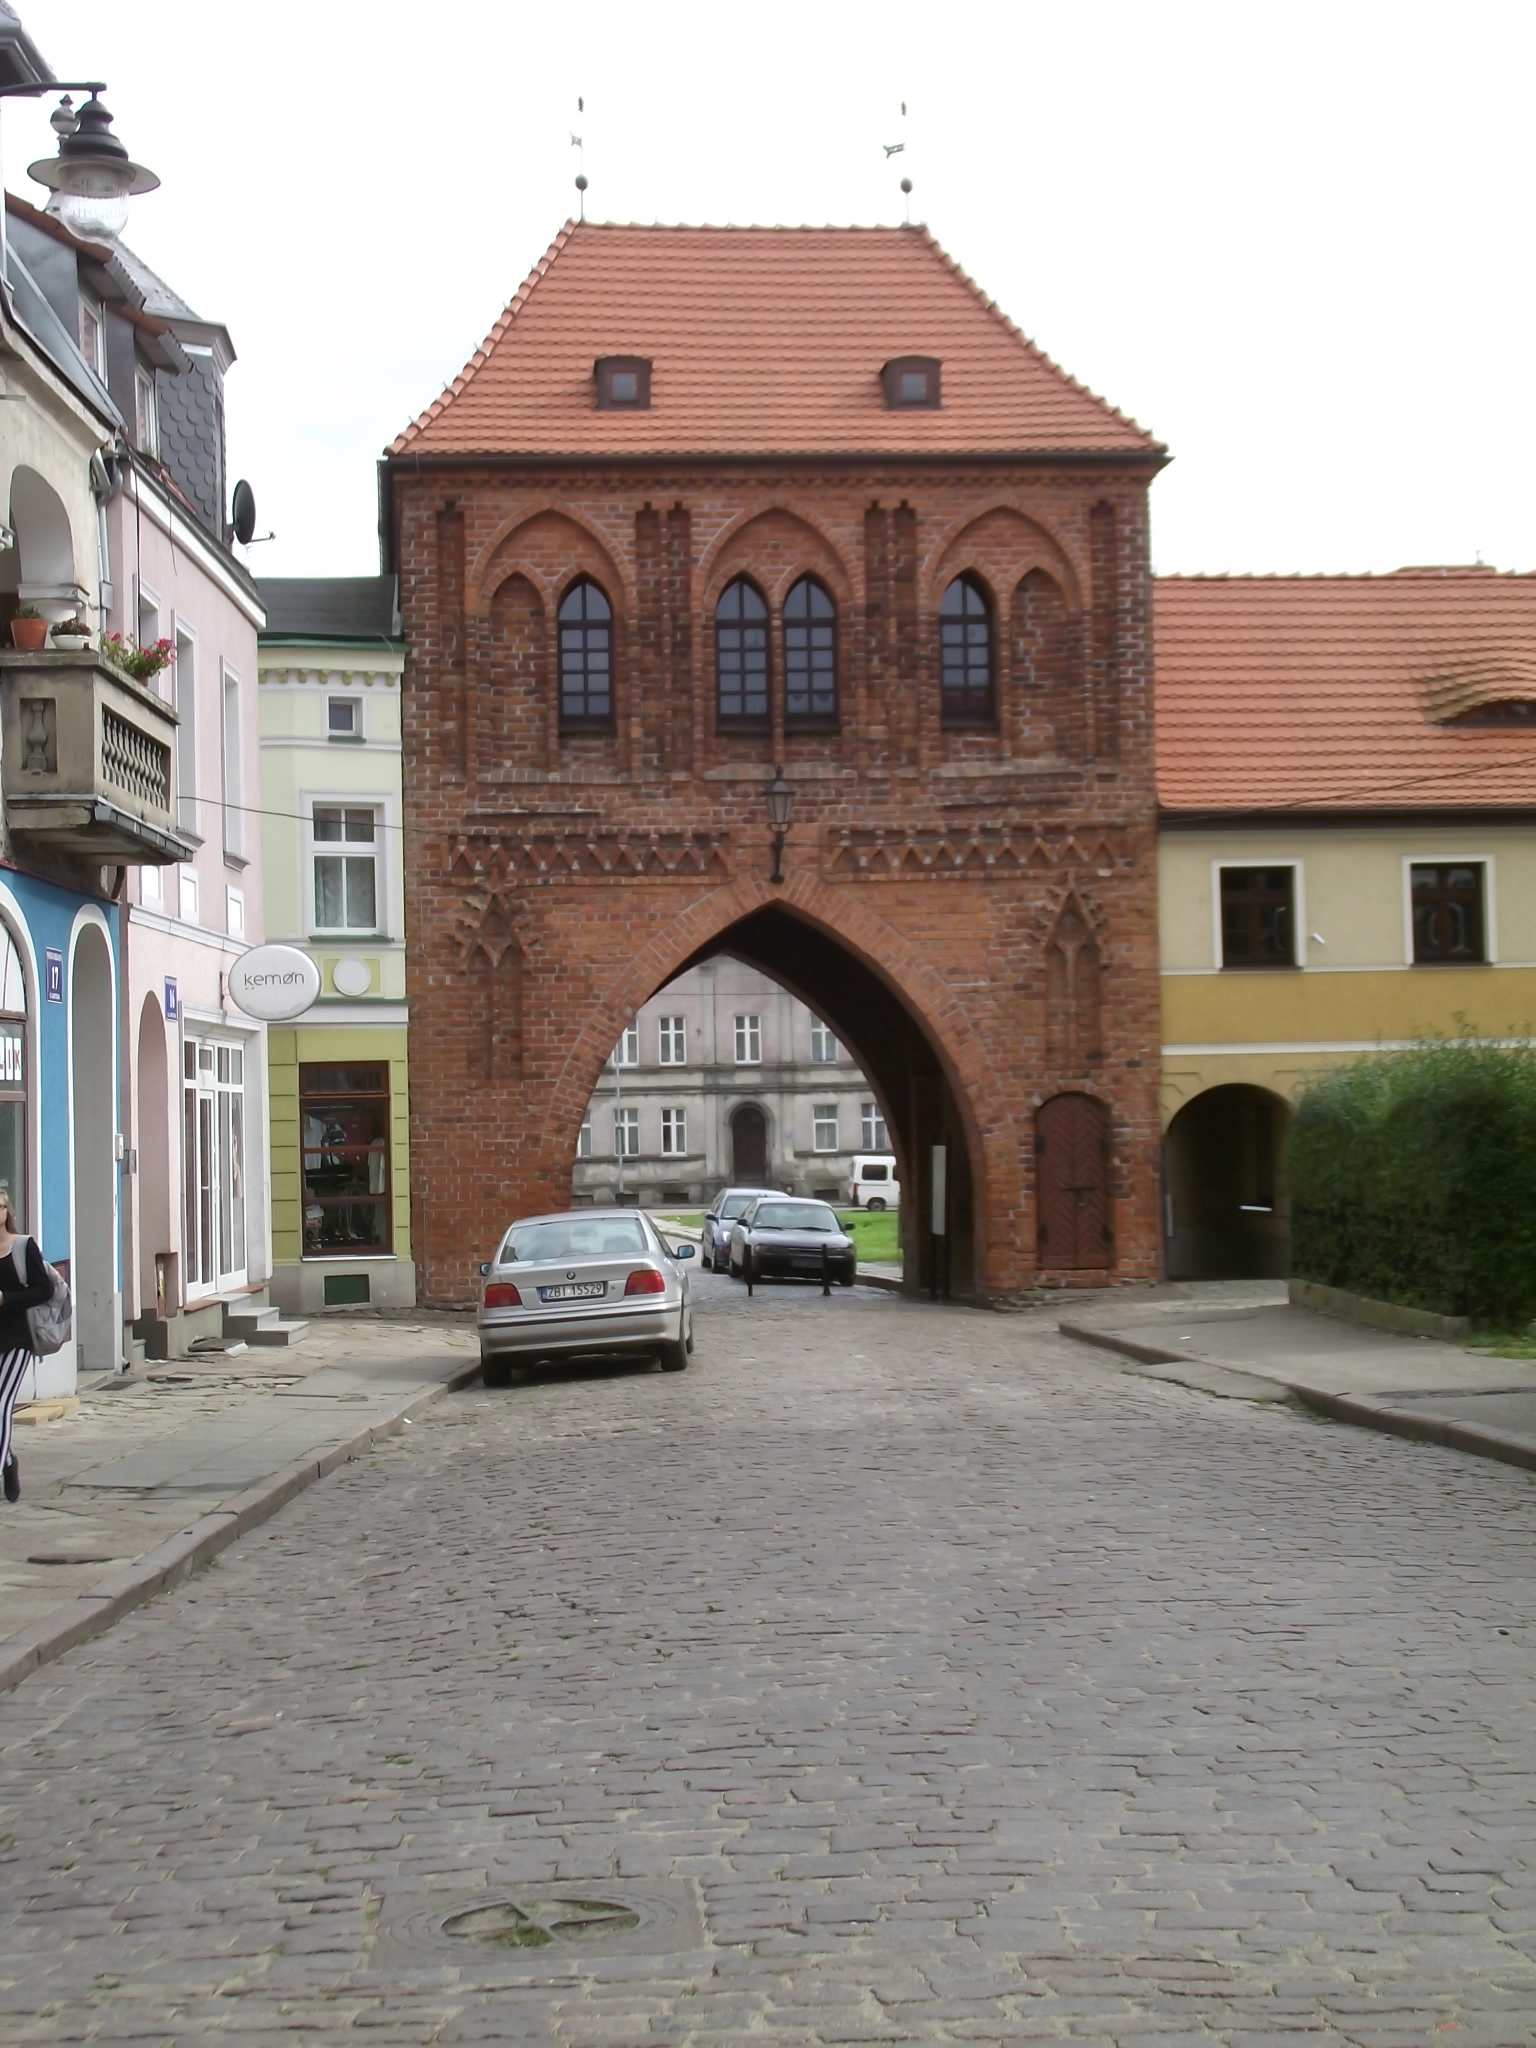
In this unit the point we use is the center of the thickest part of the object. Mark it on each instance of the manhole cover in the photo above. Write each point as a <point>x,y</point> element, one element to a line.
<point>534,1922</point>
<point>540,1928</point>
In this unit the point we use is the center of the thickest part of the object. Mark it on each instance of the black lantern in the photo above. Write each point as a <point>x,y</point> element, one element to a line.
<point>92,177</point>
<point>781,804</point>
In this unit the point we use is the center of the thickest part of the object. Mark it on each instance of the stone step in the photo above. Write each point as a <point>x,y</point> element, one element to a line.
<point>280,1332</point>
<point>245,1322</point>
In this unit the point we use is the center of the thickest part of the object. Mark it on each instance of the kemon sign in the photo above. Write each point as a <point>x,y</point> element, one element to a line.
<point>273,983</point>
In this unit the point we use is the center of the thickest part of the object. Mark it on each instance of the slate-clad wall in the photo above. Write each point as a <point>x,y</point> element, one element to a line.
<point>557,881</point>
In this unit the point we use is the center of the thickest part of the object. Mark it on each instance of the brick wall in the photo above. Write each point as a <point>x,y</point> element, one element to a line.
<point>973,911</point>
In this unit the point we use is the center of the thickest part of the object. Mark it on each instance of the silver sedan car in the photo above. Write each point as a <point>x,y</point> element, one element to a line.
<point>583,1283</point>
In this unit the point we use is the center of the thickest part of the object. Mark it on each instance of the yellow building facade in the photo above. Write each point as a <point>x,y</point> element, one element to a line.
<point>331,660</point>
<point>1347,860</point>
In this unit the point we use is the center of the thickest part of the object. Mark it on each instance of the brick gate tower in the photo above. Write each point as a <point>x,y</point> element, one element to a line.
<point>711,500</point>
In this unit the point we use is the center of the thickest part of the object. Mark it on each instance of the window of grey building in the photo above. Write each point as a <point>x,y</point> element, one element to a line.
<point>823,1044</point>
<point>876,1137</point>
<point>674,1132</point>
<point>824,1137</point>
<point>627,1052</point>
<point>672,1041</point>
<point>584,1137</point>
<point>749,1041</point>
<point>626,1134</point>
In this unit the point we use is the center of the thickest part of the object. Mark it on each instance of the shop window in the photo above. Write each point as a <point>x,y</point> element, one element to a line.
<point>1448,919</point>
<point>1258,917</point>
<point>344,1111</point>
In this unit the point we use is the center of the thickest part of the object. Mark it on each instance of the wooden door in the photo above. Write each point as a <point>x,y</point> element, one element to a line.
<point>749,1147</point>
<point>1072,1182</point>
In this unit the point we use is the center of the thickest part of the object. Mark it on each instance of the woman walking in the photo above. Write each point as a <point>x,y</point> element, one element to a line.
<point>15,1332</point>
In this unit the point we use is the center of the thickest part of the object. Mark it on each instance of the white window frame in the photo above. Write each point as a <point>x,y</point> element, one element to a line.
<point>824,1117</point>
<point>1490,904</point>
<point>347,800</point>
<point>93,318</point>
<point>188,890</point>
<point>234,912</point>
<point>626,1053</point>
<point>147,622</point>
<point>871,1120</point>
<point>822,1037</point>
<point>674,1133</point>
<point>146,413</point>
<point>231,757</point>
<point>672,1041</point>
<point>1298,905</point>
<point>184,690</point>
<point>584,1137</point>
<point>152,888</point>
<point>626,1133</point>
<point>747,1040</point>
<point>356,702</point>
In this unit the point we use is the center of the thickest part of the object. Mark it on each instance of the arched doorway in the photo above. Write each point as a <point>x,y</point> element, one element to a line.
<point>44,555</point>
<point>1228,1207</point>
<point>1072,1162</point>
<point>749,1146</point>
<point>93,1238</point>
<point>156,1240</point>
<point>917,1103</point>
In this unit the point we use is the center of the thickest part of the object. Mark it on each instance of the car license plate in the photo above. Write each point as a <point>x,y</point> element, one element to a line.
<point>584,1290</point>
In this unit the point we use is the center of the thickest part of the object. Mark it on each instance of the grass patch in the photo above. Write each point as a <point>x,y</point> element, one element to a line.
<point>693,1219</point>
<point>1506,1344</point>
<point>876,1235</point>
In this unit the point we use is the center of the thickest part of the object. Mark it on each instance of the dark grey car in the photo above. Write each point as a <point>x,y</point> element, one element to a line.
<point>719,1217</point>
<point>779,1234</point>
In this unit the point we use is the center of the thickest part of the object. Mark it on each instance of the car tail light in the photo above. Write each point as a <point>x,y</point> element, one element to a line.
<point>502,1294</point>
<point>648,1282</point>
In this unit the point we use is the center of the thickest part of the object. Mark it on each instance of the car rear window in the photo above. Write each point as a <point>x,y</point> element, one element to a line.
<point>600,1237</point>
<point>874,1173</point>
<point>794,1216</point>
<point>735,1204</point>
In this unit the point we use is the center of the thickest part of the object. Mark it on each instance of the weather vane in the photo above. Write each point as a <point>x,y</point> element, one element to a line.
<point>581,163</point>
<point>895,149</point>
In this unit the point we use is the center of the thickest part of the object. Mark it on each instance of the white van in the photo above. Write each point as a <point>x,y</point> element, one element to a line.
<point>872,1182</point>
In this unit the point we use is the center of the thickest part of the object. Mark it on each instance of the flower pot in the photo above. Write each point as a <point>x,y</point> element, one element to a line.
<point>30,635</point>
<point>71,643</point>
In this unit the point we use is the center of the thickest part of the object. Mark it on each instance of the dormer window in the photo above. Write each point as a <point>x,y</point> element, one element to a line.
<point>1506,711</point>
<point>912,384</point>
<point>93,342</point>
<point>146,419</point>
<point>623,383</point>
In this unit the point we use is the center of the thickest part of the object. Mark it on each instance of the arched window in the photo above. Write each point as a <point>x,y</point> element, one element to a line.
<point>741,656</point>
<point>965,650</point>
<point>810,655</point>
<point>586,657</point>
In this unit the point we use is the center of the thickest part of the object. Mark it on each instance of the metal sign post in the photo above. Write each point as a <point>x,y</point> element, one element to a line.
<point>938,1222</point>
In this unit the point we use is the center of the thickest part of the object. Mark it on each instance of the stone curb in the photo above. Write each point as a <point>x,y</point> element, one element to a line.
<point>101,1606</point>
<point>1364,1411</point>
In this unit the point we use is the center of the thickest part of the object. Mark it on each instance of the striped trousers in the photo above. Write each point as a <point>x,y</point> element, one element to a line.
<point>13,1370</point>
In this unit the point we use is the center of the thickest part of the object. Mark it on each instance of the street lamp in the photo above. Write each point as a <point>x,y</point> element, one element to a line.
<point>93,177</point>
<point>781,804</point>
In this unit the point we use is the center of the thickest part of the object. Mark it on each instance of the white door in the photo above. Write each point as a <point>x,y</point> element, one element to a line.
<point>213,1164</point>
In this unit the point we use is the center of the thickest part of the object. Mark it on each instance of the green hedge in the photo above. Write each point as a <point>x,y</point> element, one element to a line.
<point>1413,1179</point>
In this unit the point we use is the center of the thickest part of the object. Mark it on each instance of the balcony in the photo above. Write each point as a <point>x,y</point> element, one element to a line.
<point>86,760</point>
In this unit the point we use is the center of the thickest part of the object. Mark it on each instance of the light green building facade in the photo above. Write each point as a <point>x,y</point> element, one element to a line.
<point>331,661</point>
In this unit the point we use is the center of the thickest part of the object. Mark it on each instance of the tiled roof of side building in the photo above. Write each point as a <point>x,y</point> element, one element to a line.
<point>1341,693</point>
<point>330,608</point>
<point>763,341</point>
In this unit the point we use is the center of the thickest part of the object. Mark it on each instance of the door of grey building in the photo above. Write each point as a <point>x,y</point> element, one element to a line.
<point>749,1146</point>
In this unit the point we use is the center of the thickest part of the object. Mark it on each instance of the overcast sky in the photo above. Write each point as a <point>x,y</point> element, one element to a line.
<point>1294,241</point>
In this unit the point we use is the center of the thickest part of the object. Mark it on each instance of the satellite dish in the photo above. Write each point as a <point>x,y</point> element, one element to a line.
<point>243,513</point>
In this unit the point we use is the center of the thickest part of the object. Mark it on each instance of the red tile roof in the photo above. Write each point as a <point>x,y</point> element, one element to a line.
<point>764,341</point>
<point>1327,692</point>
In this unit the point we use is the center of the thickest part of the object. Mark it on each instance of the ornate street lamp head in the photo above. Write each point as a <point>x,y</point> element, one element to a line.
<point>93,177</point>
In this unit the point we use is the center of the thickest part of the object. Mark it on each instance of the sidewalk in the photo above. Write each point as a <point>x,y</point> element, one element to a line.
<point>160,1469</point>
<point>1248,1343</point>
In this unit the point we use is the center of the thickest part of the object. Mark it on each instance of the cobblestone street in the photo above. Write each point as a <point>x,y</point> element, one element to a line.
<point>896,1673</point>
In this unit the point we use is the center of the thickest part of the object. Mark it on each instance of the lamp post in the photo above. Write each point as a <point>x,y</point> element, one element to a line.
<point>781,804</point>
<point>93,177</point>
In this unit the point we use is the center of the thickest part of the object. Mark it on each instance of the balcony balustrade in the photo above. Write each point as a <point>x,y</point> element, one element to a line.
<point>87,758</point>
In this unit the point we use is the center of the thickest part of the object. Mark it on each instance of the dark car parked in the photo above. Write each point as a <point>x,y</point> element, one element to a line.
<point>778,1234</point>
<point>719,1217</point>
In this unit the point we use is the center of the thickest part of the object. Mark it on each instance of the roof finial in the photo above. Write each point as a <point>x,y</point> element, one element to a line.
<point>895,149</point>
<point>581,161</point>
